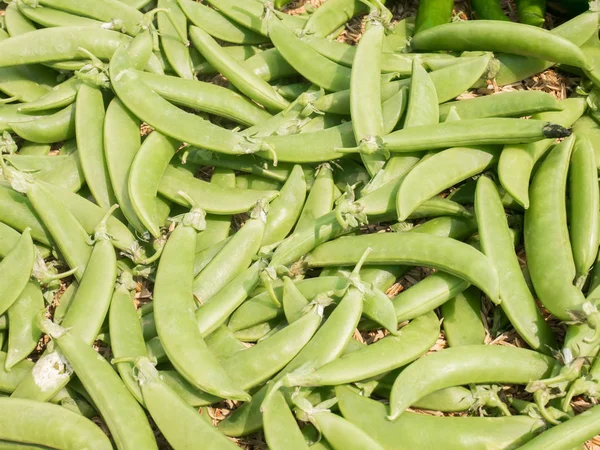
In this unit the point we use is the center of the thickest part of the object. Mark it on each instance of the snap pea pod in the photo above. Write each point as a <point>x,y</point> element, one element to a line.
<point>432,13</point>
<point>588,127</point>
<point>16,268</point>
<point>532,12</point>
<point>63,171</point>
<point>48,425</point>
<point>38,46</point>
<point>248,83</point>
<point>33,149</point>
<point>205,97</point>
<point>281,429</point>
<point>330,16</point>
<point>499,36</point>
<point>130,18</point>
<point>51,17</point>
<point>549,256</point>
<point>18,213</point>
<point>516,299</point>
<point>218,25</point>
<point>462,319</point>
<point>286,208</point>
<point>9,238</point>
<point>163,116</point>
<point>320,198</point>
<point>212,199</point>
<point>176,51</point>
<point>269,65</point>
<point>244,163</point>
<point>384,355</point>
<point>250,15</point>
<point>164,403</point>
<point>60,96</point>
<point>24,332</point>
<point>10,114</point>
<point>569,434</point>
<point>411,248</point>
<point>293,301</point>
<point>123,415</point>
<point>584,207</point>
<point>240,53</point>
<point>462,365</point>
<point>259,332</point>
<point>456,432</point>
<point>488,10</point>
<point>342,434</point>
<point>293,90</point>
<point>472,132</point>
<point>251,181</point>
<point>15,82</point>
<point>443,169</point>
<point>55,127</point>
<point>15,22</point>
<point>504,104</point>
<point>175,321</point>
<point>235,256</point>
<point>204,257</point>
<point>517,161</point>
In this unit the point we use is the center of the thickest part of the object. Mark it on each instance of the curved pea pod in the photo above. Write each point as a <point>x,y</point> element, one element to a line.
<point>269,65</point>
<point>497,242</point>
<point>284,211</point>
<point>464,365</point>
<point>431,14</point>
<point>49,129</point>
<point>17,212</point>
<point>330,16</point>
<point>423,101</point>
<point>393,110</point>
<point>18,49</point>
<point>63,171</point>
<point>218,25</point>
<point>51,17</point>
<point>16,269</point>
<point>293,300</point>
<point>439,206</point>
<point>549,254</point>
<point>212,314</point>
<point>24,332</point>
<point>396,167</point>
<point>235,256</point>
<point>58,97</point>
<point>165,117</point>
<point>15,22</point>
<point>48,426</point>
<point>342,434</point>
<point>445,254</point>
<point>387,354</point>
<point>462,319</point>
<point>584,206</point>
<point>472,132</point>
<point>205,97</point>
<point>212,199</point>
<point>9,238</point>
<point>177,52</point>
<point>320,199</point>
<point>281,428</point>
<point>439,172</point>
<point>589,128</point>
<point>457,433</point>
<point>327,344</point>
<point>504,104</point>
<point>516,161</point>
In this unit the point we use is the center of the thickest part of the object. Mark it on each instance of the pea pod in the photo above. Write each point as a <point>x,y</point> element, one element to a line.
<point>51,17</point>
<point>60,96</point>
<point>62,171</point>
<point>488,10</point>
<point>269,65</point>
<point>443,253</point>
<point>55,127</point>
<point>463,365</point>
<point>549,255</point>
<point>462,319</point>
<point>281,429</point>
<point>176,51</point>
<point>342,434</point>
<point>532,12</point>
<point>320,198</point>
<point>16,268</point>
<point>330,16</point>
<point>516,299</point>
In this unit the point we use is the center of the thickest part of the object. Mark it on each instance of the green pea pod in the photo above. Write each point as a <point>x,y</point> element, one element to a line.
<point>488,10</point>
<point>584,207</point>
<point>396,167</point>
<point>516,299</point>
<point>33,149</point>
<point>445,254</point>
<point>60,96</point>
<point>330,16</point>
<point>462,319</point>
<point>423,102</point>
<point>464,365</point>
<point>393,109</point>
<point>549,254</point>
<point>176,51</point>
<point>24,332</point>
<point>204,257</point>
<point>16,268</point>
<point>320,198</point>
<point>532,12</point>
<point>48,426</point>
<point>175,321</point>
<point>457,433</point>
<point>517,161</point>
<point>443,169</point>
<point>432,13</point>
<point>342,434</point>
<point>365,93</point>
<point>218,25</point>
<point>384,355</point>
<point>51,17</point>
<point>63,171</point>
<point>49,129</point>
<point>269,65</point>
<point>281,429</point>
<point>588,127</point>
<point>9,238</point>
<point>293,300</point>
<point>286,208</point>
<point>235,256</point>
<point>15,22</point>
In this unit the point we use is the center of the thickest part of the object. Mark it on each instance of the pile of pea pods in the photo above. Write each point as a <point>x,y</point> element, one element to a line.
<point>203,205</point>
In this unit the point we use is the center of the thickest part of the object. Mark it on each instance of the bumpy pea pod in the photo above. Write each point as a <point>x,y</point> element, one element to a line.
<point>89,124</point>
<point>584,207</point>
<point>462,319</point>
<point>173,312</point>
<point>549,255</point>
<point>24,332</point>
<point>516,299</point>
<point>67,233</point>
<point>443,169</point>
<point>411,248</point>
<point>517,161</point>
<point>164,404</point>
<point>48,426</point>
<point>384,355</point>
<point>463,365</point>
<point>84,319</point>
<point>365,93</point>
<point>125,418</point>
<point>284,211</point>
<point>457,433</point>
<point>165,117</point>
